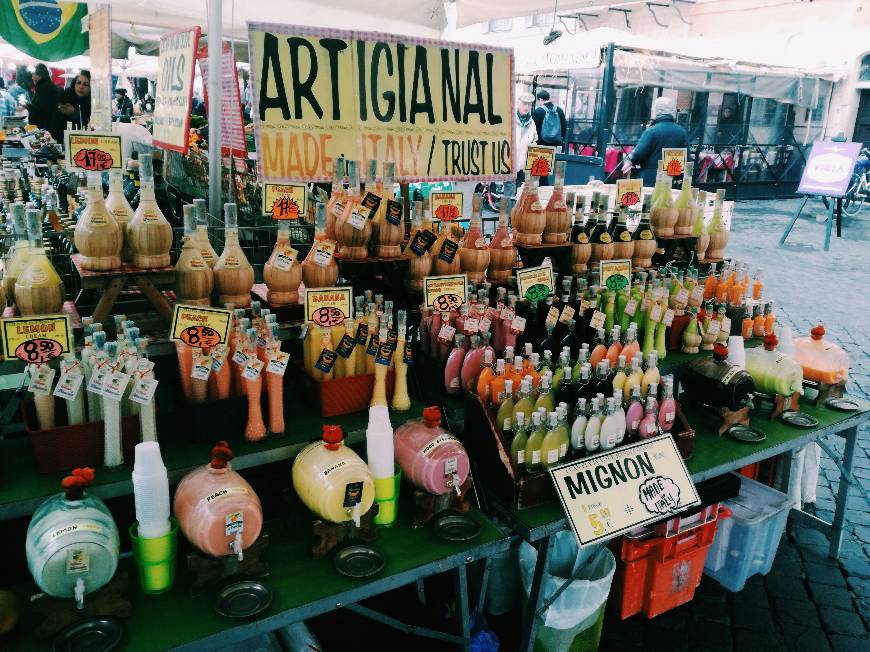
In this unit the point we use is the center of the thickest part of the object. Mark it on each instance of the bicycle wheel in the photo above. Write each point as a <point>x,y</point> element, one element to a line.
<point>853,201</point>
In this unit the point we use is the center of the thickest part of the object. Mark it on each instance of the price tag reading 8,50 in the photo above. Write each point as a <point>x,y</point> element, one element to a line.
<point>38,350</point>
<point>447,302</point>
<point>537,292</point>
<point>328,316</point>
<point>200,337</point>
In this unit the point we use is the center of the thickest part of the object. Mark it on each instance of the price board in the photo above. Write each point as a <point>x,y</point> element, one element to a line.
<point>444,293</point>
<point>629,193</point>
<point>93,151</point>
<point>285,201</point>
<point>540,160</point>
<point>36,339</point>
<point>615,274</point>
<point>674,160</point>
<point>446,206</point>
<point>328,306</point>
<point>199,326</point>
<point>606,495</point>
<point>175,68</point>
<point>535,283</point>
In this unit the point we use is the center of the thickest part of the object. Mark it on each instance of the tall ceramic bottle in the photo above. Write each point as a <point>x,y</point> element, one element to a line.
<point>699,230</point>
<point>558,216</point>
<point>417,251</point>
<point>19,254</point>
<point>390,219</point>
<point>502,253</point>
<point>233,274</point>
<point>319,269</point>
<point>718,234</point>
<point>97,235</point>
<point>353,229</point>
<point>205,248</point>
<point>529,217</point>
<point>194,280</point>
<point>117,203</point>
<point>38,289</point>
<point>282,273</point>
<point>150,233</point>
<point>474,254</point>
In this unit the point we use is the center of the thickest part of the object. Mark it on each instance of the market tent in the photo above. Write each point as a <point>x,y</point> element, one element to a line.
<point>469,12</point>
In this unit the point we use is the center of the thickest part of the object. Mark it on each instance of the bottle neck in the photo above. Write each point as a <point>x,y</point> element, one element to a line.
<point>146,192</point>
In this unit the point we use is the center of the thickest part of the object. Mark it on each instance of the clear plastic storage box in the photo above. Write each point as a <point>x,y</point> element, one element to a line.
<point>746,544</point>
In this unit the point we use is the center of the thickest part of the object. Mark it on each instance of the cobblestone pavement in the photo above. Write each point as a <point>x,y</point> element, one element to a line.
<point>808,601</point>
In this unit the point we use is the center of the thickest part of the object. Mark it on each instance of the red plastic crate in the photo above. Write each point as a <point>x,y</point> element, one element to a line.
<point>656,574</point>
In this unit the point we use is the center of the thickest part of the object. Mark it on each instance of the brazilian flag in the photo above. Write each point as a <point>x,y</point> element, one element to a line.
<point>45,29</point>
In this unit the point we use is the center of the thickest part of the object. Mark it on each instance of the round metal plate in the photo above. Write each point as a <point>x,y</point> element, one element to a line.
<point>93,635</point>
<point>243,598</point>
<point>799,419</point>
<point>743,433</point>
<point>455,527</point>
<point>358,561</point>
<point>843,404</point>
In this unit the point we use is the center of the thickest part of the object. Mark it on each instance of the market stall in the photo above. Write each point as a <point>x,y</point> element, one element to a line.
<point>242,399</point>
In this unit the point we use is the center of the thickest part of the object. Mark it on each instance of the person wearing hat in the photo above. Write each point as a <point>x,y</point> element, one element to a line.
<point>525,133</point>
<point>123,106</point>
<point>42,109</point>
<point>662,132</point>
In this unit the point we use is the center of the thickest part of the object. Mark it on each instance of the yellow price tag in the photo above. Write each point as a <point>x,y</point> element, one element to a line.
<point>199,326</point>
<point>328,306</point>
<point>445,293</point>
<point>36,339</point>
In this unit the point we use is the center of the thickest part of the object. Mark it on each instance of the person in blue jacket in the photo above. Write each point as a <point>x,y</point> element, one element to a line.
<point>663,132</point>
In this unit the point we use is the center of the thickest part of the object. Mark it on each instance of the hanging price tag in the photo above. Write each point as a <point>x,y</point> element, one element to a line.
<point>448,252</point>
<point>697,294</point>
<point>98,381</point>
<point>446,333</point>
<point>471,326</point>
<point>201,367</point>
<point>253,368</point>
<point>385,355</point>
<point>285,258</point>
<point>240,358</point>
<point>518,325</point>
<point>484,325</point>
<point>552,316</point>
<point>631,307</point>
<point>326,361</point>
<point>323,252</point>
<point>567,314</point>
<point>41,380</point>
<point>682,296</point>
<point>445,293</point>
<point>422,242</point>
<point>726,324</point>
<point>357,220</point>
<point>278,363</point>
<point>143,390</point>
<point>597,320</point>
<point>656,313</point>
<point>69,385</point>
<point>219,357</point>
<point>362,334</point>
<point>668,319</point>
<point>116,385</point>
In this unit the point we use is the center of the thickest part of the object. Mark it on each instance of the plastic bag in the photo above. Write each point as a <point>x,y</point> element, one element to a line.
<point>483,639</point>
<point>585,595</point>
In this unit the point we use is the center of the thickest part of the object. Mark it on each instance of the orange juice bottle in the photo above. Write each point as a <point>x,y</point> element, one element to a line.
<point>496,385</point>
<point>757,286</point>
<point>769,318</point>
<point>746,326</point>
<point>710,286</point>
<point>758,322</point>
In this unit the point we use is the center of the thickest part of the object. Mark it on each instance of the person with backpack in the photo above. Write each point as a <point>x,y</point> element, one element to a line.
<point>549,121</point>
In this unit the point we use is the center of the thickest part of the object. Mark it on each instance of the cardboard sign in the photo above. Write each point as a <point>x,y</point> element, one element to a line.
<point>440,110</point>
<point>285,201</point>
<point>36,339</point>
<point>200,327</point>
<point>629,193</point>
<point>328,306</point>
<point>829,168</point>
<point>535,283</point>
<point>93,151</point>
<point>233,139</point>
<point>444,293</point>
<point>175,89</point>
<point>674,160</point>
<point>446,206</point>
<point>606,495</point>
<point>615,274</point>
<point>540,160</point>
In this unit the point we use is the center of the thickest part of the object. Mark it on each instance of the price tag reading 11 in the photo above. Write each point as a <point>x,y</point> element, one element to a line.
<point>328,306</point>
<point>36,339</point>
<point>200,327</point>
<point>445,293</point>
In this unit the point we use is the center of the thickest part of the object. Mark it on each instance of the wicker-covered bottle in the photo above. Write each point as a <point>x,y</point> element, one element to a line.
<point>529,217</point>
<point>233,274</point>
<point>558,215</point>
<point>38,289</point>
<point>194,280</point>
<point>319,269</point>
<point>389,223</point>
<point>97,235</point>
<point>282,273</point>
<point>150,234</point>
<point>117,203</point>
<point>353,229</point>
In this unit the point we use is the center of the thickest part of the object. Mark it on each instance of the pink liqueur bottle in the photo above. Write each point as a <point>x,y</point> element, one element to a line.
<point>648,425</point>
<point>668,407</point>
<point>473,363</point>
<point>432,459</point>
<point>634,413</point>
<point>453,368</point>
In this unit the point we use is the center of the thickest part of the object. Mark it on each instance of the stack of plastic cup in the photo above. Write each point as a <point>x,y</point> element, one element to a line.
<point>154,535</point>
<point>736,351</point>
<point>381,459</point>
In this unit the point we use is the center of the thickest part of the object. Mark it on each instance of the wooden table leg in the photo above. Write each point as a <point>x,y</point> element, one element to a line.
<point>155,296</point>
<point>110,294</point>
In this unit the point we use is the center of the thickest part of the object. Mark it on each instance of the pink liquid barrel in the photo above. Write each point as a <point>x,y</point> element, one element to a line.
<point>430,457</point>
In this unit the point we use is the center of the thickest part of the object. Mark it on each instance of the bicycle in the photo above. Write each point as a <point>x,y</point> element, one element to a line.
<point>858,191</point>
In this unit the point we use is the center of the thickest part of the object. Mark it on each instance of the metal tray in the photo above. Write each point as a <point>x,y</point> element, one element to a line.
<point>799,419</point>
<point>243,598</point>
<point>843,404</point>
<point>746,434</point>
<point>100,634</point>
<point>358,561</point>
<point>455,527</point>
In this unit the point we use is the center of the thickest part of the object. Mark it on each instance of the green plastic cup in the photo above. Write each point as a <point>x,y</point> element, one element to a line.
<point>155,558</point>
<point>387,497</point>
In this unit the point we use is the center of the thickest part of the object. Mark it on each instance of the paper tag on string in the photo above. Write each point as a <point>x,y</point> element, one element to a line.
<point>484,325</point>
<point>285,258</point>
<point>252,369</point>
<point>240,357</point>
<point>143,390</point>
<point>518,325</point>
<point>668,319</point>
<point>446,333</point>
<point>682,296</point>
<point>567,314</point>
<point>631,307</point>
<point>218,357</point>
<point>116,385</point>
<point>201,367</point>
<point>41,380</point>
<point>471,325</point>
<point>98,380</point>
<point>597,320</point>
<point>278,363</point>
<point>324,250</point>
<point>357,220</point>
<point>697,294</point>
<point>656,313</point>
<point>69,385</point>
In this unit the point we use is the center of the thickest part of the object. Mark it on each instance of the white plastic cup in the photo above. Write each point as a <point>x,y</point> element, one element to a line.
<point>736,351</point>
<point>151,491</point>
<point>379,442</point>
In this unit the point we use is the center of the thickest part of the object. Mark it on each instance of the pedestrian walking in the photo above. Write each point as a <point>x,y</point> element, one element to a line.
<point>525,133</point>
<point>549,121</point>
<point>663,132</point>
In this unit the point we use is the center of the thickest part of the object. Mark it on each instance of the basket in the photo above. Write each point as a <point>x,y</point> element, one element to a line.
<point>341,395</point>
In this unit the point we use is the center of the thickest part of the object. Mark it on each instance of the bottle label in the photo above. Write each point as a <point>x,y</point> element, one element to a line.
<point>278,363</point>
<point>362,333</point>
<point>201,365</point>
<point>625,236</point>
<point>471,325</point>
<point>453,384</point>
<point>436,442</point>
<point>507,315</point>
<point>151,216</point>
<point>143,390</point>
<point>451,464</point>
<point>232,262</point>
<point>552,456</point>
<point>697,294</point>
<point>371,202</point>
<point>73,528</point>
<point>357,220</point>
<point>41,380</point>
<point>394,212</point>
<point>422,242</point>
<point>207,255</point>
<point>337,209</point>
<point>605,238</point>
<point>196,262</point>
<point>567,314</point>
<point>668,317</point>
<point>521,456</point>
<point>99,219</point>
<point>581,238</point>
<point>98,380</point>
<point>285,258</point>
<point>713,328</point>
<point>597,320</point>
<point>635,424</point>
<point>393,339</point>
<point>484,325</point>
<point>253,368</point>
<point>326,361</point>
<point>669,417</point>
<point>563,450</point>
<point>37,276</point>
<point>116,385</point>
<point>646,234</point>
<point>352,494</point>
<point>536,457</point>
<point>323,252</point>
<point>373,345</point>
<point>448,251</point>
<point>409,354</point>
<point>234,523</point>
<point>631,307</point>
<point>240,358</point>
<point>518,325</point>
<point>682,296</point>
<point>78,560</point>
<point>69,385</point>
<point>733,371</point>
<point>223,492</point>
<point>346,346</point>
<point>552,316</point>
<point>385,354</point>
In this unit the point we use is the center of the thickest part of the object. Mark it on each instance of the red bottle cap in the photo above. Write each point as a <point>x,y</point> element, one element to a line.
<point>332,437</point>
<point>221,454</point>
<point>75,483</point>
<point>432,415</point>
<point>720,351</point>
<point>818,332</point>
<point>770,342</point>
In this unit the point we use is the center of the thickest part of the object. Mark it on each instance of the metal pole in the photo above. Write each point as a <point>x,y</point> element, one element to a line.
<point>215,48</point>
<point>606,98</point>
